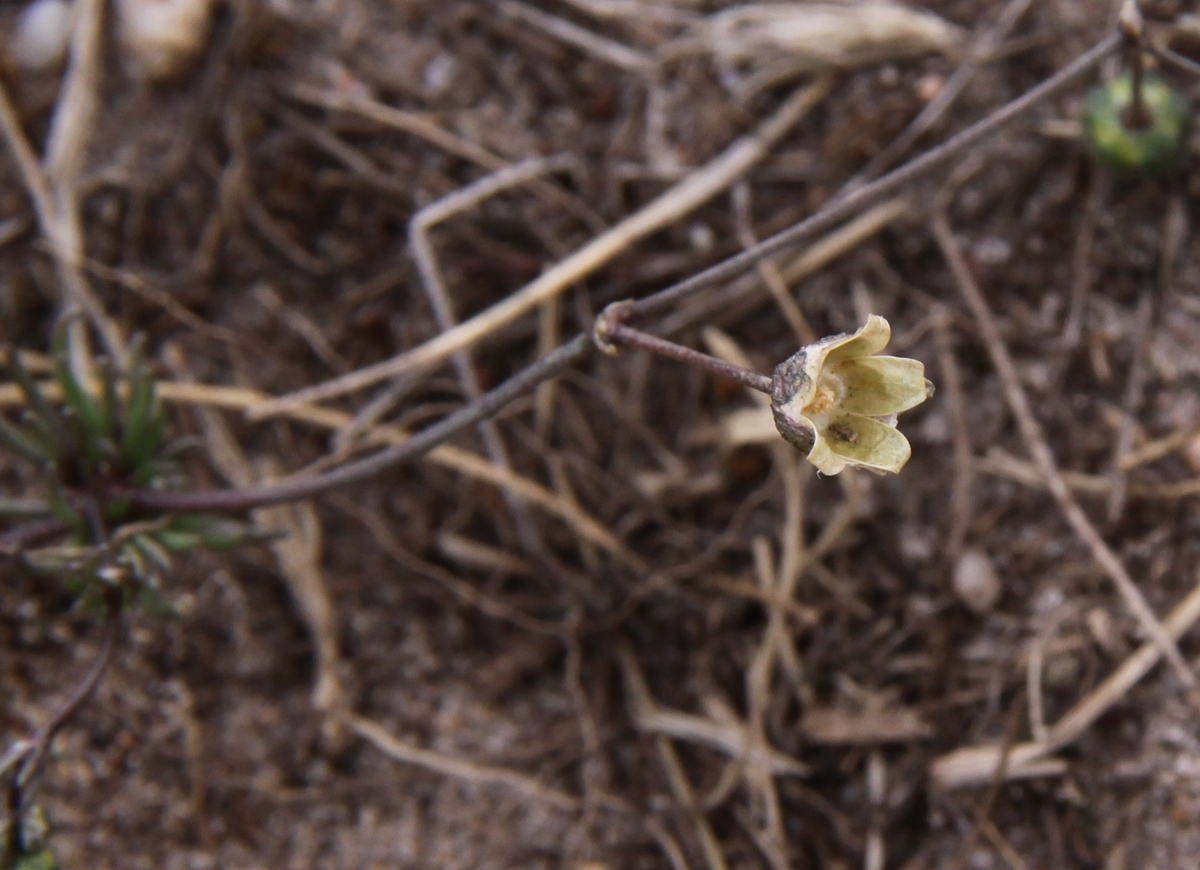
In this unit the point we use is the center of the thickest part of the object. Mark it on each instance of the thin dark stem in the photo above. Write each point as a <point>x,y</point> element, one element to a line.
<point>845,206</point>
<point>31,757</point>
<point>30,534</point>
<point>618,333</point>
<point>79,697</point>
<point>1139,117</point>
<point>237,500</point>
<point>948,92</point>
<point>1130,18</point>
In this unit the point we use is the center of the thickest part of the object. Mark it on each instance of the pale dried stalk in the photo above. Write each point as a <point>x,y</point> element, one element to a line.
<point>456,768</point>
<point>597,46</point>
<point>730,738</point>
<point>297,554</point>
<point>684,794</point>
<point>977,764</point>
<point>355,99</point>
<point>678,201</point>
<point>1039,450</point>
<point>52,185</point>
<point>462,461</point>
<point>423,253</point>
<point>66,150</point>
<point>676,777</point>
<point>980,49</point>
<point>748,289</point>
<point>999,463</point>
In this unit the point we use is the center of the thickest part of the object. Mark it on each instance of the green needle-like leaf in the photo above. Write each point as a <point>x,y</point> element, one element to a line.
<point>153,550</point>
<point>22,444</point>
<point>77,398</point>
<point>148,442</point>
<point>108,400</point>
<point>139,409</point>
<point>42,414</point>
<point>75,395</point>
<point>62,509</point>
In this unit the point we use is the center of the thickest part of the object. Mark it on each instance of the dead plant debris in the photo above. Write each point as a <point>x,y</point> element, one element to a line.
<point>620,625</point>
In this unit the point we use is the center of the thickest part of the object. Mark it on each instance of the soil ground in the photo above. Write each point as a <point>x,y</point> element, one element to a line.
<point>434,671</point>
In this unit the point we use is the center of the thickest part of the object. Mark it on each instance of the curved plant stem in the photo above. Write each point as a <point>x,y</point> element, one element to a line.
<point>236,500</point>
<point>886,185</point>
<point>29,756</point>
<point>611,330</point>
<point>30,534</point>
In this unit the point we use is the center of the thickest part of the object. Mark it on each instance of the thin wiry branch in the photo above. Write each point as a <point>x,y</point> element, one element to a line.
<point>28,757</point>
<point>577,349</point>
<point>490,403</point>
<point>888,184</point>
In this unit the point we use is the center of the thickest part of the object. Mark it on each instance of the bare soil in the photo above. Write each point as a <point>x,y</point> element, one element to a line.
<point>259,240</point>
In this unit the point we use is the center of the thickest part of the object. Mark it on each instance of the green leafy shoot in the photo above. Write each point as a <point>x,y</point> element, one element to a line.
<point>93,442</point>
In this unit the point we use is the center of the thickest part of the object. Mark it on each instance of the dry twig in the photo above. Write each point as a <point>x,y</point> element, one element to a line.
<point>692,192</point>
<point>977,764</point>
<point>1035,443</point>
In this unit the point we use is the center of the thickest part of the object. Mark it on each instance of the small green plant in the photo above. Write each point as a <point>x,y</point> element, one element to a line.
<point>91,443</point>
<point>94,441</point>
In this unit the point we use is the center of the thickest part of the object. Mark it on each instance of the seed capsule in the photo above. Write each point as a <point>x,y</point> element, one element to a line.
<point>1146,146</point>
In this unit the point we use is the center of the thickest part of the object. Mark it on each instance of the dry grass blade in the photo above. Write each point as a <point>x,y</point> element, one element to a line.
<point>676,777</point>
<point>456,459</point>
<point>457,768</point>
<point>1035,443</point>
<point>52,184</point>
<point>355,100</point>
<point>692,192</point>
<point>977,764</point>
<point>987,43</point>
<point>597,46</point>
<point>710,846</point>
<point>740,295</point>
<point>775,41</point>
<point>846,205</point>
<point>731,738</point>
<point>423,253</point>
<point>298,554</point>
<point>1001,464</point>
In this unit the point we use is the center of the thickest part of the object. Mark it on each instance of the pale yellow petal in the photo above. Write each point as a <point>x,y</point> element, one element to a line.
<point>878,386</point>
<point>862,441</point>
<point>872,338</point>
<point>824,459</point>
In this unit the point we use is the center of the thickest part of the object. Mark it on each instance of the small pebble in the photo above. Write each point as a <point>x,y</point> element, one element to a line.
<point>1104,632</point>
<point>975,581</point>
<point>163,38</point>
<point>43,30</point>
<point>928,87</point>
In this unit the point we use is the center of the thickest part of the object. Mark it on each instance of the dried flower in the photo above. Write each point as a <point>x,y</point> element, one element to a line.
<point>837,403</point>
